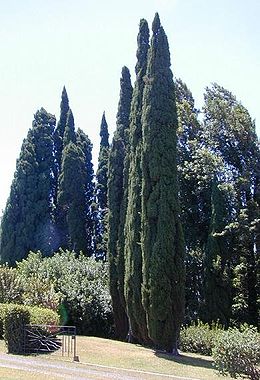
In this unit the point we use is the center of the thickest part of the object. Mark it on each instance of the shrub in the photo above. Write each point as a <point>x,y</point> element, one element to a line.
<point>199,338</point>
<point>37,315</point>
<point>81,283</point>
<point>15,319</point>
<point>238,352</point>
<point>10,285</point>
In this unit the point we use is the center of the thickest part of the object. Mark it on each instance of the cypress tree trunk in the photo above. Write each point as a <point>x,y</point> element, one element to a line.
<point>162,236</point>
<point>117,198</point>
<point>133,253</point>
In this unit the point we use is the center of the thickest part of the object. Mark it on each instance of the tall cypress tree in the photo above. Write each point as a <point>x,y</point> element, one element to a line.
<point>65,195</point>
<point>133,254</point>
<point>71,198</point>
<point>117,199</point>
<point>27,219</point>
<point>84,143</point>
<point>162,236</point>
<point>101,191</point>
<point>58,137</point>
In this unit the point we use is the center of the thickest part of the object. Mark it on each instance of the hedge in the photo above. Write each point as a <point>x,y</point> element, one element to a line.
<point>13,317</point>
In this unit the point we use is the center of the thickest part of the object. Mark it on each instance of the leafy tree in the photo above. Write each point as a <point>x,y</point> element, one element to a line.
<point>162,236</point>
<point>27,221</point>
<point>133,254</point>
<point>101,191</point>
<point>230,134</point>
<point>117,199</point>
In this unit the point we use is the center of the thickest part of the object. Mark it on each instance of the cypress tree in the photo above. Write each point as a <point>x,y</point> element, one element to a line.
<point>71,198</point>
<point>133,254</point>
<point>117,199</point>
<point>84,143</point>
<point>218,281</point>
<point>58,138</point>
<point>27,219</point>
<point>101,191</point>
<point>162,236</point>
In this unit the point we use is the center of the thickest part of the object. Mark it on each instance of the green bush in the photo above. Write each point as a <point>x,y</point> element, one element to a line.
<point>199,338</point>
<point>15,319</point>
<point>238,352</point>
<point>81,283</point>
<point>37,315</point>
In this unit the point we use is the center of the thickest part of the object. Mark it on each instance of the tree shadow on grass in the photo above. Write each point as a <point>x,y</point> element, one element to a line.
<point>186,359</point>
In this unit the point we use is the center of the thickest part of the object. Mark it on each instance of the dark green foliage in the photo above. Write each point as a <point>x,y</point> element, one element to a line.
<point>69,133</point>
<point>117,199</point>
<point>71,218</point>
<point>15,319</point>
<point>230,135</point>
<point>194,173</point>
<point>59,132</point>
<point>100,244</point>
<point>199,337</point>
<point>13,316</point>
<point>217,263</point>
<point>162,236</point>
<point>82,284</point>
<point>84,143</point>
<point>27,221</point>
<point>103,164</point>
<point>133,252</point>
<point>237,353</point>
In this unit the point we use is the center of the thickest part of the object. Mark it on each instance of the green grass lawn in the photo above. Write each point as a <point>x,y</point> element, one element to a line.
<point>111,353</point>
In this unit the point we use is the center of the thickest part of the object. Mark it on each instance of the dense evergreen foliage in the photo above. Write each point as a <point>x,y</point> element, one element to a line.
<point>133,254</point>
<point>27,222</point>
<point>101,191</point>
<point>117,196</point>
<point>162,237</point>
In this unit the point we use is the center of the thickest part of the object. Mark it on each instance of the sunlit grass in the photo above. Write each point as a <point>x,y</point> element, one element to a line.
<point>117,354</point>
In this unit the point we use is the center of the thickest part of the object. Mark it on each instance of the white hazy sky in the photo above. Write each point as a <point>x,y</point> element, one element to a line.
<point>83,44</point>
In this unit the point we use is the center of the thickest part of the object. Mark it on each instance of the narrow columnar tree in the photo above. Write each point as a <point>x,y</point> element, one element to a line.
<point>117,199</point>
<point>133,254</point>
<point>58,138</point>
<point>162,237</point>
<point>101,191</point>
<point>27,220</point>
<point>84,143</point>
<point>61,212</point>
<point>71,198</point>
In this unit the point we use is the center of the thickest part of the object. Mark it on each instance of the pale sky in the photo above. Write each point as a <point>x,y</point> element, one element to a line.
<point>83,44</point>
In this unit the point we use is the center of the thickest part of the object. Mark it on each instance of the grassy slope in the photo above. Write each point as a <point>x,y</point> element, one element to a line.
<point>122,355</point>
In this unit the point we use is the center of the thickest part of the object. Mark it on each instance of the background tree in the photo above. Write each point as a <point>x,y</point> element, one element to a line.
<point>117,200</point>
<point>27,220</point>
<point>217,262</point>
<point>133,253</point>
<point>84,143</point>
<point>230,134</point>
<point>58,138</point>
<point>101,191</point>
<point>162,236</point>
